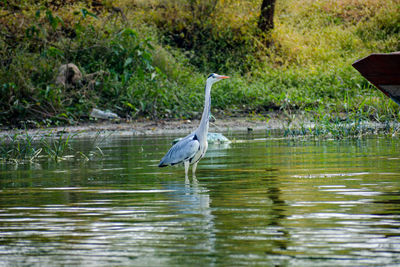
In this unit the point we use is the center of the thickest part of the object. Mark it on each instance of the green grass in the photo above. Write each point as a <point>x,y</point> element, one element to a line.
<point>25,148</point>
<point>326,126</point>
<point>18,148</point>
<point>151,66</point>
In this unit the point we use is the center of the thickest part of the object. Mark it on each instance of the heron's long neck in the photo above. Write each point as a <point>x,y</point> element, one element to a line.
<point>203,127</point>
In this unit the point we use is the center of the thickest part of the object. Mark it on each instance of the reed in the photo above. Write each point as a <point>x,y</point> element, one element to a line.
<point>25,148</point>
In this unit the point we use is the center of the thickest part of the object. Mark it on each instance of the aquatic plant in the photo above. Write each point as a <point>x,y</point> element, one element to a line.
<point>93,146</point>
<point>16,148</point>
<point>56,148</point>
<point>332,126</point>
<point>20,148</point>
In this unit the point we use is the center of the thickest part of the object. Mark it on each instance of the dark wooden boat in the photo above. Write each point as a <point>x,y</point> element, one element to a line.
<point>383,71</point>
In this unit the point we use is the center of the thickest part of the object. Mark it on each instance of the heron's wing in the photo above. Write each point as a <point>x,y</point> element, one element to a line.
<point>185,149</point>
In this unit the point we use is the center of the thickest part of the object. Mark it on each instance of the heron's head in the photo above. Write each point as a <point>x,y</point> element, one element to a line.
<point>215,77</point>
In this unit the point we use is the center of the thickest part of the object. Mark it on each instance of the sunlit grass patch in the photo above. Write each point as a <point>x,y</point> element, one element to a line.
<point>318,33</point>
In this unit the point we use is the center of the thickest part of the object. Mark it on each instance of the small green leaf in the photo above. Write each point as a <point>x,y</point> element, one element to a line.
<point>85,12</point>
<point>31,31</point>
<point>128,61</point>
<point>129,105</point>
<point>53,51</point>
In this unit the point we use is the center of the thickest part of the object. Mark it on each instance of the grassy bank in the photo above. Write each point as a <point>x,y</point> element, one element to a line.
<point>149,59</point>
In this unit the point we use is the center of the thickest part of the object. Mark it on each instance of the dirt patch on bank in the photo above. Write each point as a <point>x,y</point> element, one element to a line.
<point>170,127</point>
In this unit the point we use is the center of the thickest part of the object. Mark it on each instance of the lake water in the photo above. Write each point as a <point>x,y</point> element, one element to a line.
<point>258,201</point>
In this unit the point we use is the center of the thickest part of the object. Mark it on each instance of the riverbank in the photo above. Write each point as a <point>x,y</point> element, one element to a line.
<point>152,127</point>
<point>145,65</point>
<point>352,125</point>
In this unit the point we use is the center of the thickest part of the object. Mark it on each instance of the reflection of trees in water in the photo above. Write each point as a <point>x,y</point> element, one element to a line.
<point>277,212</point>
<point>388,212</point>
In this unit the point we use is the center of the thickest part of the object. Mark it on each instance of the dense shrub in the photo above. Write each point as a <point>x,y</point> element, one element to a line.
<point>211,34</point>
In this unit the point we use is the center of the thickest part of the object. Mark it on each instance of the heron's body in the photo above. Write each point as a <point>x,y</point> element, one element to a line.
<point>193,147</point>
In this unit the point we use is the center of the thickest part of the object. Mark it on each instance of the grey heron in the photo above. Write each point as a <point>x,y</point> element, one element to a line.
<point>193,147</point>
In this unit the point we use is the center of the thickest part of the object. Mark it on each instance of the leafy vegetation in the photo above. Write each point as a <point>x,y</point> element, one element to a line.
<point>148,59</point>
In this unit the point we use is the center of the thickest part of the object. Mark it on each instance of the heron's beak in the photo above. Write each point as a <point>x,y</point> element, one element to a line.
<point>224,77</point>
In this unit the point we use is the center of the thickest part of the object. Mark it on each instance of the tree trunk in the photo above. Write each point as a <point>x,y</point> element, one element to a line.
<point>266,20</point>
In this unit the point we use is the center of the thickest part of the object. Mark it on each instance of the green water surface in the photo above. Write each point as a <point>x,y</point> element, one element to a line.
<point>261,201</point>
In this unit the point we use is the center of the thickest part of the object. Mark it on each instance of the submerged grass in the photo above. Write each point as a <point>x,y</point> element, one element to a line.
<point>18,148</point>
<point>354,127</point>
<point>56,148</point>
<point>22,148</point>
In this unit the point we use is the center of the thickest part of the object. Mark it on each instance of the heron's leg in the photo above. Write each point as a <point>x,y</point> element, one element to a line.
<point>194,167</point>
<point>195,181</point>
<point>186,168</point>
<point>187,185</point>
